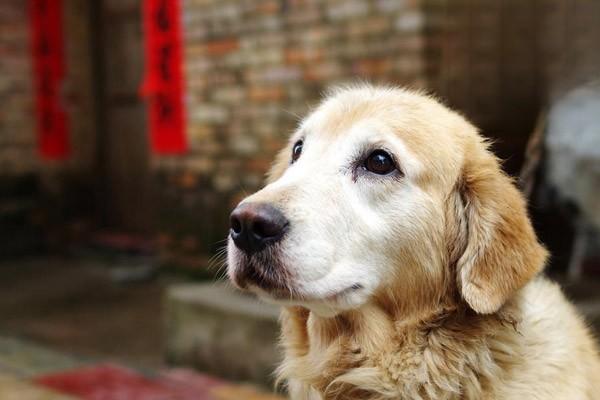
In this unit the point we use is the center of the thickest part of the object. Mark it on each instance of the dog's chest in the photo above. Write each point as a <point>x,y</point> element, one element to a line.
<point>411,364</point>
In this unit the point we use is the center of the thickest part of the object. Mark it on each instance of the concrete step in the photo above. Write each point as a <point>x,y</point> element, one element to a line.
<point>216,329</point>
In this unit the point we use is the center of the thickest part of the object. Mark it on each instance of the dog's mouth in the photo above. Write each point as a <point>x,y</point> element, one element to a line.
<point>270,282</point>
<point>270,276</point>
<point>265,277</point>
<point>260,270</point>
<point>281,289</point>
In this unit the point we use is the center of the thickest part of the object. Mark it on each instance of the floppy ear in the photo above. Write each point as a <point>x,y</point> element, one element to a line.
<point>501,251</point>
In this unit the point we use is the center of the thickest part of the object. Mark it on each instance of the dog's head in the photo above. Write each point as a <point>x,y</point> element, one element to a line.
<point>384,193</point>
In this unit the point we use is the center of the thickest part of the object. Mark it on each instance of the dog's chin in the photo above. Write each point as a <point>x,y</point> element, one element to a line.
<point>272,281</point>
<point>327,304</point>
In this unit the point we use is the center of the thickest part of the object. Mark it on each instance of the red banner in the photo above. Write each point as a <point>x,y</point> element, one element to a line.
<point>163,84</point>
<point>49,70</point>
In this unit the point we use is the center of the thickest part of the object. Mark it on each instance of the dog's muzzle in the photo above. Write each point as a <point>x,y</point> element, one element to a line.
<point>254,226</point>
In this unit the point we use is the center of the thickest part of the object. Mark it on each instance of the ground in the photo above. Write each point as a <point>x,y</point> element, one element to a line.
<point>70,331</point>
<point>75,307</point>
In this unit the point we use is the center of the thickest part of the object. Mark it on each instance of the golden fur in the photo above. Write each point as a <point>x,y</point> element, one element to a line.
<point>521,352</point>
<point>469,317</point>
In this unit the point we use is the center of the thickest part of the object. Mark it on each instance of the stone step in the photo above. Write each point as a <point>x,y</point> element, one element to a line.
<point>216,329</point>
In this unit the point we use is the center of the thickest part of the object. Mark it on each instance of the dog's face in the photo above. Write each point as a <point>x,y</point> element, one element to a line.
<point>360,204</point>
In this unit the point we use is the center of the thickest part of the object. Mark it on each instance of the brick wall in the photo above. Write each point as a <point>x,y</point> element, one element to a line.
<point>252,68</point>
<point>18,146</point>
<point>17,141</point>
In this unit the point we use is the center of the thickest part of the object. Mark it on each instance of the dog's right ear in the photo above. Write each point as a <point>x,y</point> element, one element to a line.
<point>500,251</point>
<point>281,163</point>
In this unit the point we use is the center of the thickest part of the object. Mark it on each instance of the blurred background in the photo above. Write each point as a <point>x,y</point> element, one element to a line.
<point>129,129</point>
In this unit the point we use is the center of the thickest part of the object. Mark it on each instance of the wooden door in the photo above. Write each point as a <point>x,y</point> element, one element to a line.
<point>123,152</point>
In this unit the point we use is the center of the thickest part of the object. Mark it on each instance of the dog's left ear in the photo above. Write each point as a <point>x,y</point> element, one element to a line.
<point>501,251</point>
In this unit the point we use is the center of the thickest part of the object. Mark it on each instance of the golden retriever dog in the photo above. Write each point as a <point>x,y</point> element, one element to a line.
<point>405,262</point>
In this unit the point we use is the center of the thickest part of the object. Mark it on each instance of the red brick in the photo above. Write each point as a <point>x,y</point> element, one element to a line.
<point>322,71</point>
<point>303,55</point>
<point>269,6</point>
<point>266,93</point>
<point>222,46</point>
<point>373,67</point>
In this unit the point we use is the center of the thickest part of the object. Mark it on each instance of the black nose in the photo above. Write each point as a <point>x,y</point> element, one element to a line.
<point>256,225</point>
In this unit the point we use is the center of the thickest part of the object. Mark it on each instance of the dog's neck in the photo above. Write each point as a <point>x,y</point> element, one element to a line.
<point>442,351</point>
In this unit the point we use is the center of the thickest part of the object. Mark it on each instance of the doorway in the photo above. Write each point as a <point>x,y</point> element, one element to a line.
<point>123,183</point>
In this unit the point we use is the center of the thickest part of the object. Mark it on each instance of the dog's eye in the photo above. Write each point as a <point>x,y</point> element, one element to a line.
<point>379,162</point>
<point>297,150</point>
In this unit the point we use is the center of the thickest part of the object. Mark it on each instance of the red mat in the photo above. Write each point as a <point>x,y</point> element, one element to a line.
<point>110,382</point>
